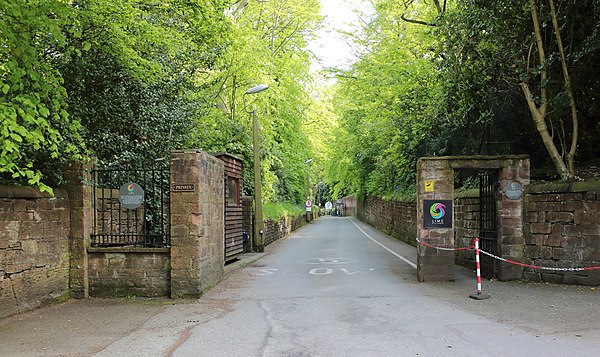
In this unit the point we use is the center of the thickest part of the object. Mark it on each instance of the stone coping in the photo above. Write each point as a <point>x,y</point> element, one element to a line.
<point>563,187</point>
<point>476,158</point>
<point>29,192</point>
<point>127,250</point>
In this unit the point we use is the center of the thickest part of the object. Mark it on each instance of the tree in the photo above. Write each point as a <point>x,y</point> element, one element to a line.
<point>136,89</point>
<point>564,162</point>
<point>387,104</point>
<point>268,46</point>
<point>37,134</point>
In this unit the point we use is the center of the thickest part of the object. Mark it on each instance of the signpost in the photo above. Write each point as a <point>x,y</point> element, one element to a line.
<point>308,205</point>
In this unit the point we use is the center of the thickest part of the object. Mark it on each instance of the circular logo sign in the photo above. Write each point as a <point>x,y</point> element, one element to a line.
<point>437,210</point>
<point>131,195</point>
<point>513,190</point>
<point>328,205</point>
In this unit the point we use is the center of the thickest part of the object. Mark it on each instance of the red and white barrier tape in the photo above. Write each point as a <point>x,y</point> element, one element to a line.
<point>538,266</point>
<point>531,266</point>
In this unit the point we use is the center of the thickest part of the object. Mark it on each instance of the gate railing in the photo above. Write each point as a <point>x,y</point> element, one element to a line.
<point>488,236</point>
<point>147,225</point>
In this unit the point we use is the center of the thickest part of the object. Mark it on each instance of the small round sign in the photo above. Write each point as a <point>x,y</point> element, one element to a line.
<point>328,205</point>
<point>131,195</point>
<point>513,190</point>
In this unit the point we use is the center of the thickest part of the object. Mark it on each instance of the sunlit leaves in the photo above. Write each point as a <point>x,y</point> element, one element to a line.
<point>267,46</point>
<point>386,101</point>
<point>33,101</point>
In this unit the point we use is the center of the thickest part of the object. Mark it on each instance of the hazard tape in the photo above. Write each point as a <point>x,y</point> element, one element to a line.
<point>531,266</point>
<point>538,266</point>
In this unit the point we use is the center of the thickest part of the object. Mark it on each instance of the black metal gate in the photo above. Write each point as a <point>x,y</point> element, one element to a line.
<point>488,236</point>
<point>147,225</point>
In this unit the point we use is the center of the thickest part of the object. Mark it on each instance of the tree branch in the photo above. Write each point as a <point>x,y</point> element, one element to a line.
<point>568,89</point>
<point>419,22</point>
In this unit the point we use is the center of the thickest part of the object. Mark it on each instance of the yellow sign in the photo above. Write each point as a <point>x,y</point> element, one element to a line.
<point>429,185</point>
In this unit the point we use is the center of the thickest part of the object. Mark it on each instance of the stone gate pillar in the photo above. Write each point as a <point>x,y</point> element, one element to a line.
<point>197,222</point>
<point>511,241</point>
<point>81,205</point>
<point>435,186</point>
<point>435,181</point>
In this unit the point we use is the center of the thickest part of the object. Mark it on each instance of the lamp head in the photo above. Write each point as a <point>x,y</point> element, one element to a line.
<point>258,88</point>
<point>308,161</point>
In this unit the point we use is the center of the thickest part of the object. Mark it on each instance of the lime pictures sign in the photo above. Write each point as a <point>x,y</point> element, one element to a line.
<point>437,214</point>
<point>131,195</point>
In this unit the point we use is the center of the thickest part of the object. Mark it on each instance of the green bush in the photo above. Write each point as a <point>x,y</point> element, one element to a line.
<point>275,211</point>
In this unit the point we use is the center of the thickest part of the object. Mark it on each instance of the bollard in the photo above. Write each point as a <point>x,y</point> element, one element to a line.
<point>478,295</point>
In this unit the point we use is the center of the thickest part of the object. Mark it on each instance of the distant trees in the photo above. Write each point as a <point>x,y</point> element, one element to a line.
<point>464,77</point>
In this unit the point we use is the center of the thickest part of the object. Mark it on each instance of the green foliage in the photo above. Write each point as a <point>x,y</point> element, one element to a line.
<point>132,80</point>
<point>36,131</point>
<point>387,104</point>
<point>276,210</point>
<point>268,46</point>
<point>489,49</point>
<point>135,90</point>
<point>431,82</point>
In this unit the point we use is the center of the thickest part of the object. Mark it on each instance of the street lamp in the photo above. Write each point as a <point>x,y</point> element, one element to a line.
<point>307,181</point>
<point>258,216</point>
<point>308,214</point>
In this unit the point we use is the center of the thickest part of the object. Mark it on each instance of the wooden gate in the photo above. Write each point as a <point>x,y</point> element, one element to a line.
<point>234,240</point>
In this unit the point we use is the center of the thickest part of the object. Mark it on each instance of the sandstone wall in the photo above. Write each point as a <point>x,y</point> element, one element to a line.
<point>275,230</point>
<point>561,228</point>
<point>396,218</point>
<point>129,272</point>
<point>563,231</point>
<point>34,248</point>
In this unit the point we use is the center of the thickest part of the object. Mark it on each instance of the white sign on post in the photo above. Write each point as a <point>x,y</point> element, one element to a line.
<point>308,205</point>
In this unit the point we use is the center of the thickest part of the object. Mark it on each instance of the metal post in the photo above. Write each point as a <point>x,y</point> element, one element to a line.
<point>258,215</point>
<point>479,295</point>
<point>307,183</point>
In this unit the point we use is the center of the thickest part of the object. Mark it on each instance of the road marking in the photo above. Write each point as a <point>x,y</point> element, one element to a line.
<point>383,246</point>
<point>328,261</point>
<point>267,271</point>
<point>349,272</point>
<point>320,271</point>
<point>314,271</point>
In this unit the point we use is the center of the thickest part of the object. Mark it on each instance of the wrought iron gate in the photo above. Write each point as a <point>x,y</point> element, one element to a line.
<point>147,225</point>
<point>488,236</point>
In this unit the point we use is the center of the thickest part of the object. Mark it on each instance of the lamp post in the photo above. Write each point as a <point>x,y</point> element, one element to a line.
<point>307,162</point>
<point>258,215</point>
<point>308,214</point>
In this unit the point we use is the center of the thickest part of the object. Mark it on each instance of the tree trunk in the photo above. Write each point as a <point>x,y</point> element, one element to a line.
<point>569,90</point>
<point>539,120</point>
<point>539,113</point>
